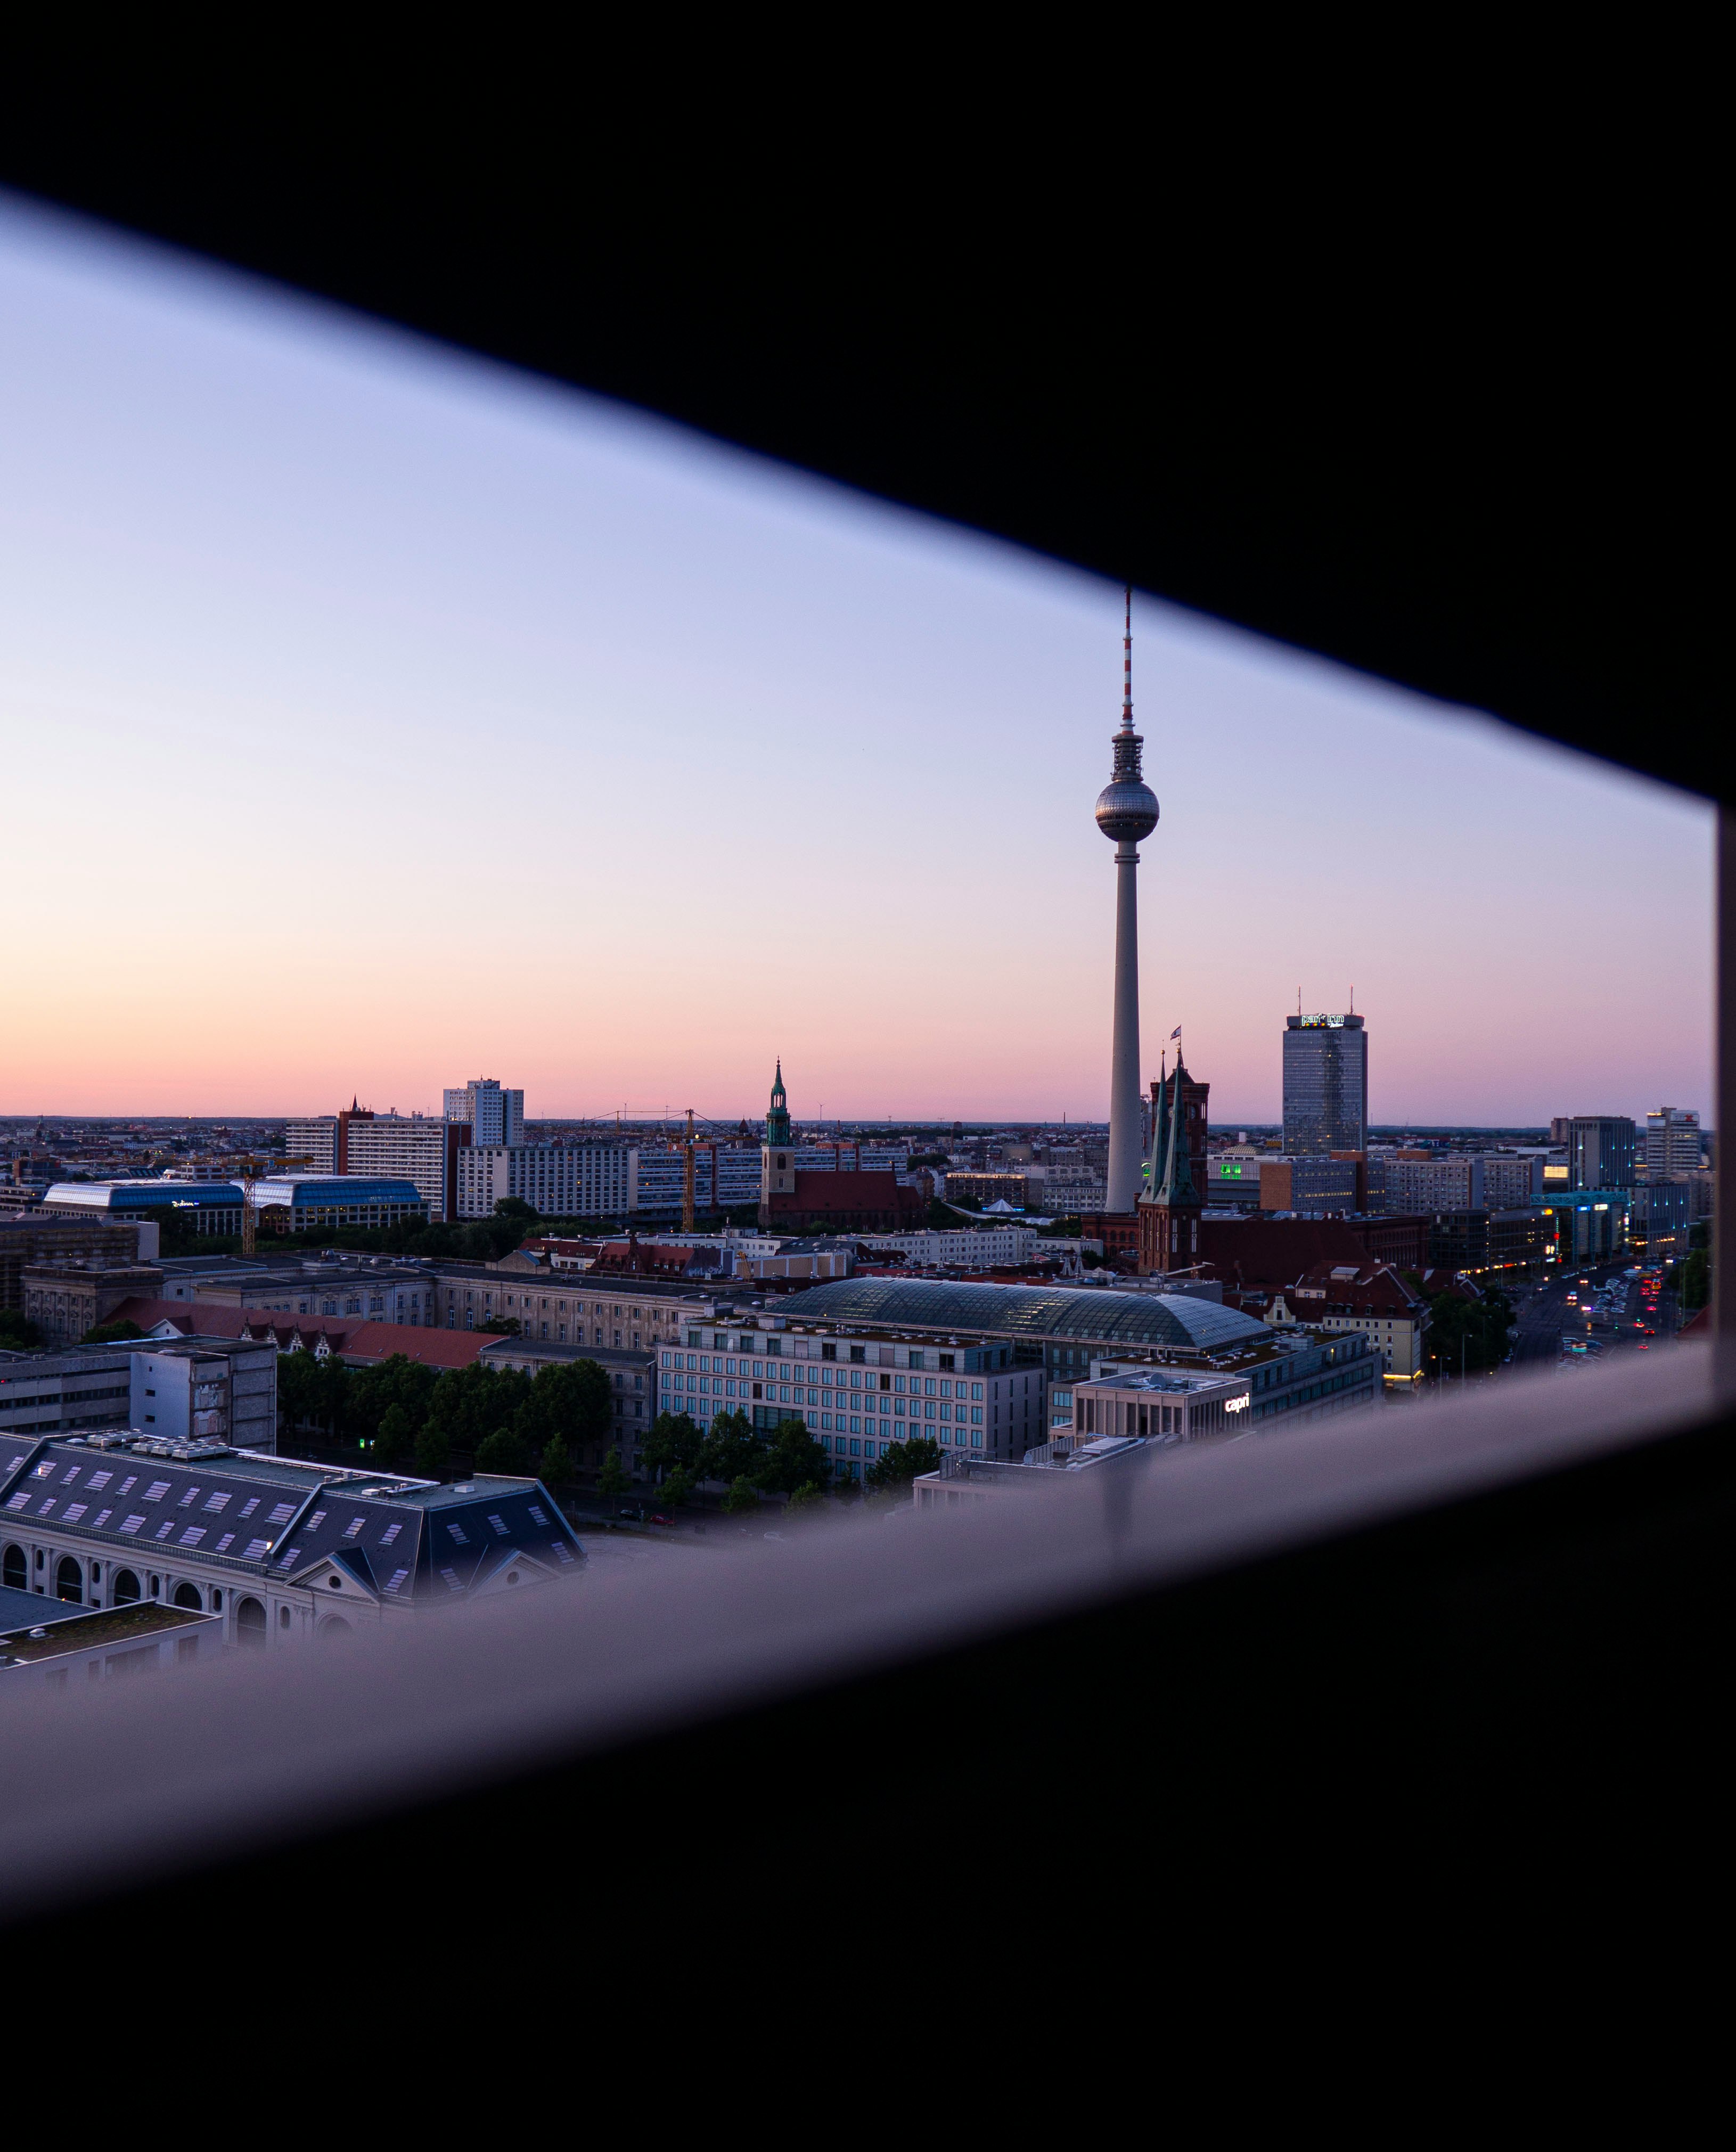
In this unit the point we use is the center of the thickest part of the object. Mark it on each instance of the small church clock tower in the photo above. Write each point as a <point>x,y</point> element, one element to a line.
<point>777,1155</point>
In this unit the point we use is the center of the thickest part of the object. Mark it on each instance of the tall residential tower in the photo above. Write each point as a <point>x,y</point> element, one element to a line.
<point>494,1116</point>
<point>1126,811</point>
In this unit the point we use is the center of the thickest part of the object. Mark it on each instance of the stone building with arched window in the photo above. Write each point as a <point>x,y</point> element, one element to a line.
<point>281,1550</point>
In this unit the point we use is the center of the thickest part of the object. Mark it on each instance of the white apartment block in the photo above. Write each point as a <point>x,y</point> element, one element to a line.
<point>559,1180</point>
<point>403,1147</point>
<point>494,1116</point>
<point>409,1147</point>
<point>1478,1183</point>
<point>1673,1141</point>
<point>314,1143</point>
<point>994,1247</point>
<point>1067,1194</point>
<point>1508,1184</point>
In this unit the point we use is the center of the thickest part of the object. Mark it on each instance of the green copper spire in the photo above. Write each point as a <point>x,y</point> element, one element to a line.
<point>777,1121</point>
<point>1177,1185</point>
<point>1159,1135</point>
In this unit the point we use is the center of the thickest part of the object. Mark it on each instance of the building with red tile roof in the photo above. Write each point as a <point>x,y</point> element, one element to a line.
<point>1370,1297</point>
<point>363,1343</point>
<point>371,1341</point>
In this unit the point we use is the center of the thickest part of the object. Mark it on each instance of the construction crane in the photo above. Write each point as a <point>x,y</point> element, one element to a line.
<point>687,1178</point>
<point>688,1144</point>
<point>250,1173</point>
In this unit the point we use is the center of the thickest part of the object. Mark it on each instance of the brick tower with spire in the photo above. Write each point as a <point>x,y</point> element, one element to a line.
<point>1170,1215</point>
<point>776,1153</point>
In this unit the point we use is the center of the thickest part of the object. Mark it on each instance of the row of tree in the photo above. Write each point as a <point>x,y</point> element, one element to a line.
<point>752,1461</point>
<point>475,1241</point>
<point>1692,1277</point>
<point>1468,1336</point>
<point>502,1419</point>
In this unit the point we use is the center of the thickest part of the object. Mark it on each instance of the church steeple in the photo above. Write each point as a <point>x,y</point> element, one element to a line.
<point>777,1120</point>
<point>777,1159</point>
<point>1170,1215</point>
<point>1176,1187</point>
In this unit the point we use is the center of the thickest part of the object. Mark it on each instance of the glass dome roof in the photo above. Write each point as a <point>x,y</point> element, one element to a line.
<point>1176,1320</point>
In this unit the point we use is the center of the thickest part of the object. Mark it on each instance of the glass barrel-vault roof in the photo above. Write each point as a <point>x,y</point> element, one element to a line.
<point>1176,1320</point>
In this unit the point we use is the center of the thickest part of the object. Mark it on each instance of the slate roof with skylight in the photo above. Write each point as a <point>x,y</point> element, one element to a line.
<point>281,1518</point>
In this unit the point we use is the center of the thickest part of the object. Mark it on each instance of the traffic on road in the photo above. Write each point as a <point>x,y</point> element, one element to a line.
<point>1582,1316</point>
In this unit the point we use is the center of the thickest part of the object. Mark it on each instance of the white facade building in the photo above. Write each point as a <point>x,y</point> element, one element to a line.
<point>994,1247</point>
<point>857,1399</point>
<point>315,1142</point>
<point>413,1147</point>
<point>1470,1183</point>
<point>200,1388</point>
<point>403,1147</point>
<point>494,1116</point>
<point>559,1180</point>
<point>1673,1141</point>
<point>1068,1196</point>
<point>1160,1404</point>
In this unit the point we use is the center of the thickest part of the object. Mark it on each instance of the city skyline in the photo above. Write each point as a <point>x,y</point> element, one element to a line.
<point>374,715</point>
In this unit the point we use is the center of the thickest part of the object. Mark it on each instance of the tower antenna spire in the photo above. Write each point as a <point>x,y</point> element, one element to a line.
<point>1127,665</point>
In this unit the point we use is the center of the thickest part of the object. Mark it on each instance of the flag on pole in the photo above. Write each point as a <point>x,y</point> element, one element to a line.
<point>1176,1034</point>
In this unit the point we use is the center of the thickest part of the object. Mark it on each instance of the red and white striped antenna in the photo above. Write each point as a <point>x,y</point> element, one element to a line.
<point>1127,667</point>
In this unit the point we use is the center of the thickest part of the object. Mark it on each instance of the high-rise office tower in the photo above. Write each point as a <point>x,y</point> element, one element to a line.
<point>495,1116</point>
<point>1126,811</point>
<point>1326,1084</point>
<point>1601,1150</point>
<point>1673,1141</point>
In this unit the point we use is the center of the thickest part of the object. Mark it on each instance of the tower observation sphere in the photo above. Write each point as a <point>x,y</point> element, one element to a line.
<point>1127,810</point>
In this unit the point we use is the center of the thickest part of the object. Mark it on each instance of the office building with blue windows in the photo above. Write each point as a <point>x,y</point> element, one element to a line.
<point>203,1206</point>
<point>321,1202</point>
<point>1601,1151</point>
<point>857,1397</point>
<point>1586,1225</point>
<point>726,1177</point>
<point>1662,1221</point>
<point>1326,1084</point>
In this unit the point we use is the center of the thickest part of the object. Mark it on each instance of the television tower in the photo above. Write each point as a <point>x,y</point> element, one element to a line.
<point>1126,811</point>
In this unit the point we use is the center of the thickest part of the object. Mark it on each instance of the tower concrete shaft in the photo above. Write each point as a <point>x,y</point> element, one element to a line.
<point>1126,811</point>
<point>1125,1126</point>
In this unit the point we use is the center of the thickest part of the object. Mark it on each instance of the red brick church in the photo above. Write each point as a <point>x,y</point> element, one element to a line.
<point>793,1200</point>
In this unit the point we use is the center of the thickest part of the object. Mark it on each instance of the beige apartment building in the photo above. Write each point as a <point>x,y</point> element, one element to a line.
<point>1372,1298</point>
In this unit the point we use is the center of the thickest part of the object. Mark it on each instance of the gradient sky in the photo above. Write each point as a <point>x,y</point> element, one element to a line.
<point>372,718</point>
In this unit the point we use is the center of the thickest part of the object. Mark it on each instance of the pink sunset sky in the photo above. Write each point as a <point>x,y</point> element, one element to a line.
<point>374,718</point>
